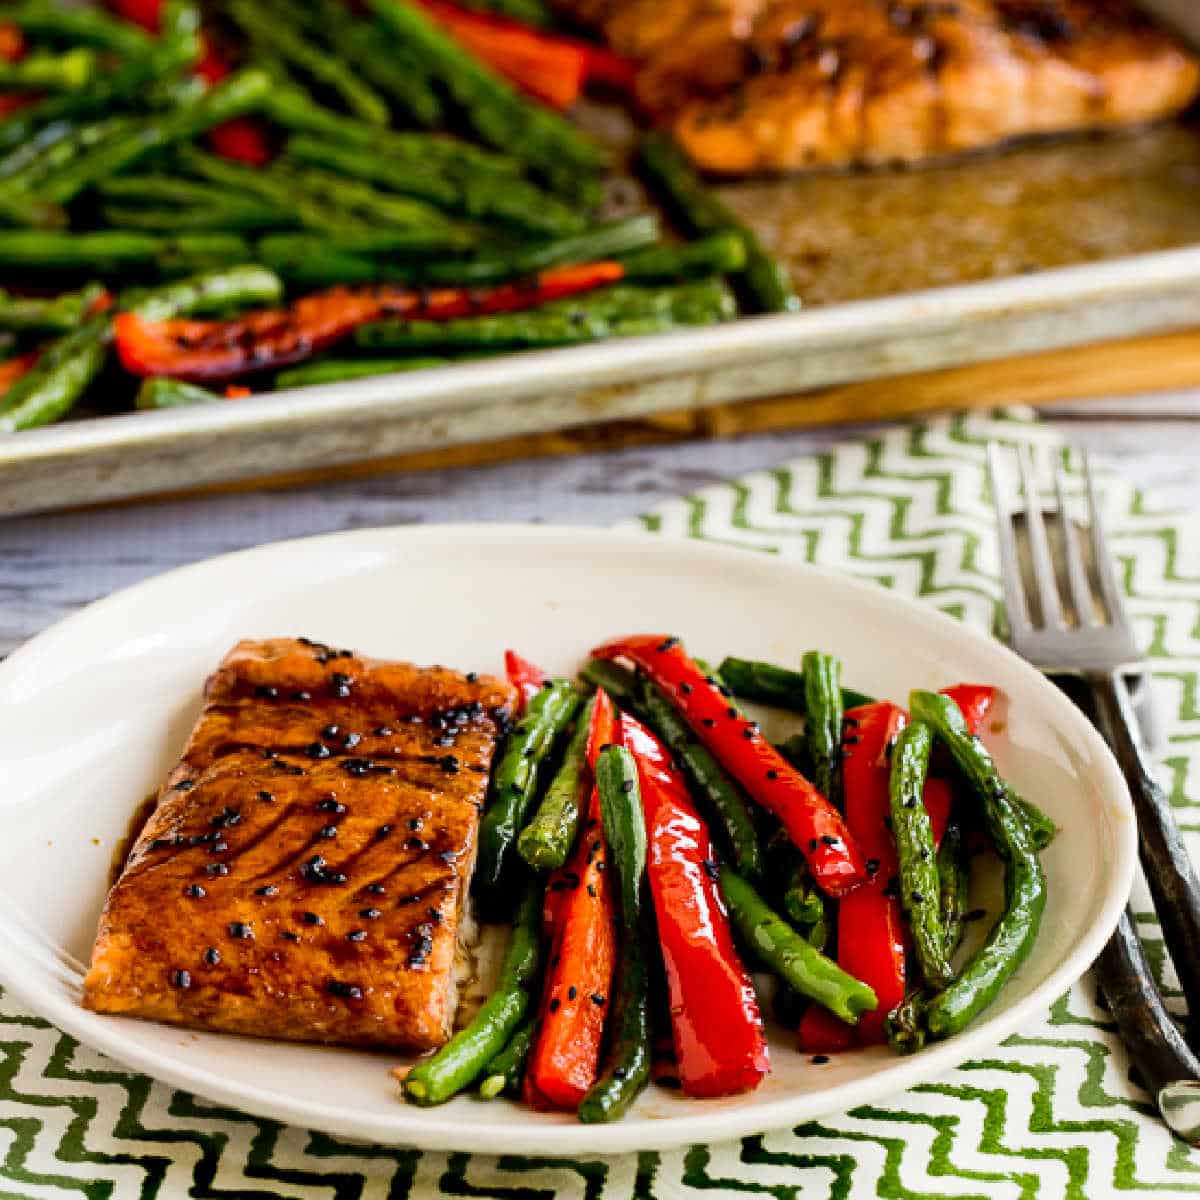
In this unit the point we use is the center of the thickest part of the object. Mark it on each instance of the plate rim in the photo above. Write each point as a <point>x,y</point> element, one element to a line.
<point>421,1127</point>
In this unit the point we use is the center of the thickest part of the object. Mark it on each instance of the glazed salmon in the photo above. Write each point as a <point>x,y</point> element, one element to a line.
<point>780,85</point>
<point>303,873</point>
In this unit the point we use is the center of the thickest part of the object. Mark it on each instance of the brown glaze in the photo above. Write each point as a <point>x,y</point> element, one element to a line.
<point>781,85</point>
<point>303,872</point>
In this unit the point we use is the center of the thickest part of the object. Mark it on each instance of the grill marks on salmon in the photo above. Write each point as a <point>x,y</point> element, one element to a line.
<point>781,85</point>
<point>303,872</point>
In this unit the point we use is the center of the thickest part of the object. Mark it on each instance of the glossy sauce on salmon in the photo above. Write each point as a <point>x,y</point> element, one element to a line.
<point>781,85</point>
<point>303,872</point>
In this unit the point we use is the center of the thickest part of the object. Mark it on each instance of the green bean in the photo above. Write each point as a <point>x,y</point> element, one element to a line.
<point>619,683</point>
<point>792,957</point>
<point>527,12</point>
<point>611,312</point>
<point>460,1061</point>
<point>1042,828</point>
<point>213,291</point>
<point>57,314</point>
<point>626,1064</point>
<point>823,723</point>
<point>481,195</point>
<point>363,202</point>
<point>330,70</point>
<point>80,23</point>
<point>1010,939</point>
<point>547,840</point>
<point>170,189</point>
<point>497,112</point>
<point>778,686</point>
<point>913,831</point>
<point>56,381</point>
<point>160,392</point>
<point>25,171</point>
<point>953,886</point>
<point>905,1031</point>
<point>392,70</point>
<point>504,1073</point>
<point>69,72</point>
<point>113,250</point>
<point>765,279</point>
<point>514,785</point>
<point>194,218</point>
<point>336,370</point>
<point>267,187</point>
<point>721,253</point>
<point>232,97</point>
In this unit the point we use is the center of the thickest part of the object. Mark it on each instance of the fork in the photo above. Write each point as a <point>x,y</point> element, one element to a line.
<point>1083,631</point>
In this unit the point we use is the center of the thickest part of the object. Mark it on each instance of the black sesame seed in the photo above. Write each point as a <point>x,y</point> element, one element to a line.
<point>376,889</point>
<point>383,831</point>
<point>708,722</point>
<point>370,914</point>
<point>312,918</point>
<point>415,823</point>
<point>268,889</point>
<point>348,991</point>
<point>472,676</point>
<point>266,797</point>
<point>303,697</point>
<point>872,866</point>
<point>351,740</point>
<point>239,929</point>
<point>194,891</point>
<point>829,839</point>
<point>819,1059</point>
<point>356,935</point>
<point>212,956</point>
<point>597,999</point>
<point>976,914</point>
<point>266,692</point>
<point>329,831</point>
<point>289,936</point>
<point>331,731</point>
<point>181,979</point>
<point>449,764</point>
<point>591,889</point>
<point>731,712</point>
<point>627,786</point>
<point>572,992</point>
<point>217,868</point>
<point>554,1004</point>
<point>384,731</point>
<point>772,774</point>
<point>711,869</point>
<point>669,644</point>
<point>218,848</point>
<point>813,843</point>
<point>318,750</point>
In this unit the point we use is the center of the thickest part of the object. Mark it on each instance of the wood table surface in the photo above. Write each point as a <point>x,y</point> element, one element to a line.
<point>53,564</point>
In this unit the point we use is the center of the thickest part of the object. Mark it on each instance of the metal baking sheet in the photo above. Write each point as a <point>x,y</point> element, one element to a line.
<point>1033,248</point>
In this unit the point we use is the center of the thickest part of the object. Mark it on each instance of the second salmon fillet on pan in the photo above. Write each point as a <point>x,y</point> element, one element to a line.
<point>782,85</point>
<point>303,873</point>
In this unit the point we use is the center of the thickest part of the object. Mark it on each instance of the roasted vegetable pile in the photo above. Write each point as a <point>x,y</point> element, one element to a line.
<point>345,190</point>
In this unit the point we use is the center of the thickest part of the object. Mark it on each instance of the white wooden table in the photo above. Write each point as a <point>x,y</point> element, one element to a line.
<point>51,565</point>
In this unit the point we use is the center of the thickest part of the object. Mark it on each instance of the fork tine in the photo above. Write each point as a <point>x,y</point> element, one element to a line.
<point>1106,572</point>
<point>1081,592</point>
<point>1010,565</point>
<point>1039,544</point>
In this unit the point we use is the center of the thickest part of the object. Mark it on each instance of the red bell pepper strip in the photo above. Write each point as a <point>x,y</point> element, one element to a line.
<point>269,338</point>
<point>870,943</point>
<point>820,1032</point>
<point>974,699</point>
<point>11,369</point>
<point>717,1028</point>
<point>563,1062</point>
<point>527,678</point>
<point>601,732</point>
<point>551,69</point>
<point>146,13</point>
<point>817,828</point>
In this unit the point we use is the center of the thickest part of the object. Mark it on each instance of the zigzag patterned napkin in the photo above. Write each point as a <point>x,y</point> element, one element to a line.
<point>1051,1113</point>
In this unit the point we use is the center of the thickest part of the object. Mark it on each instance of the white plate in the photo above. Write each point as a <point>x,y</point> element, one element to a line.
<point>93,712</point>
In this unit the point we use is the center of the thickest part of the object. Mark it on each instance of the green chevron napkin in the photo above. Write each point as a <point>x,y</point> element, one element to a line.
<point>1051,1113</point>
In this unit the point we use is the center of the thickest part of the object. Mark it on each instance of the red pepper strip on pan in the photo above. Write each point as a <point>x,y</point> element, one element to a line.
<point>562,1064</point>
<point>816,827</point>
<point>717,1028</point>
<point>197,351</point>
<point>12,49</point>
<point>602,731</point>
<point>527,678</point>
<point>550,68</point>
<point>11,369</point>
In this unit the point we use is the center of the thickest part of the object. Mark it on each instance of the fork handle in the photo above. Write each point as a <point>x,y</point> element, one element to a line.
<point>1168,866</point>
<point>1169,1070</point>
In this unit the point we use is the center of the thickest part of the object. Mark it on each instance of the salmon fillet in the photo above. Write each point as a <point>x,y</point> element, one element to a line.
<point>780,85</point>
<point>303,873</point>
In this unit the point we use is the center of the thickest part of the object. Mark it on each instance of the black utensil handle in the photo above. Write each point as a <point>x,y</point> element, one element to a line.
<point>1168,866</point>
<point>1168,1067</point>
